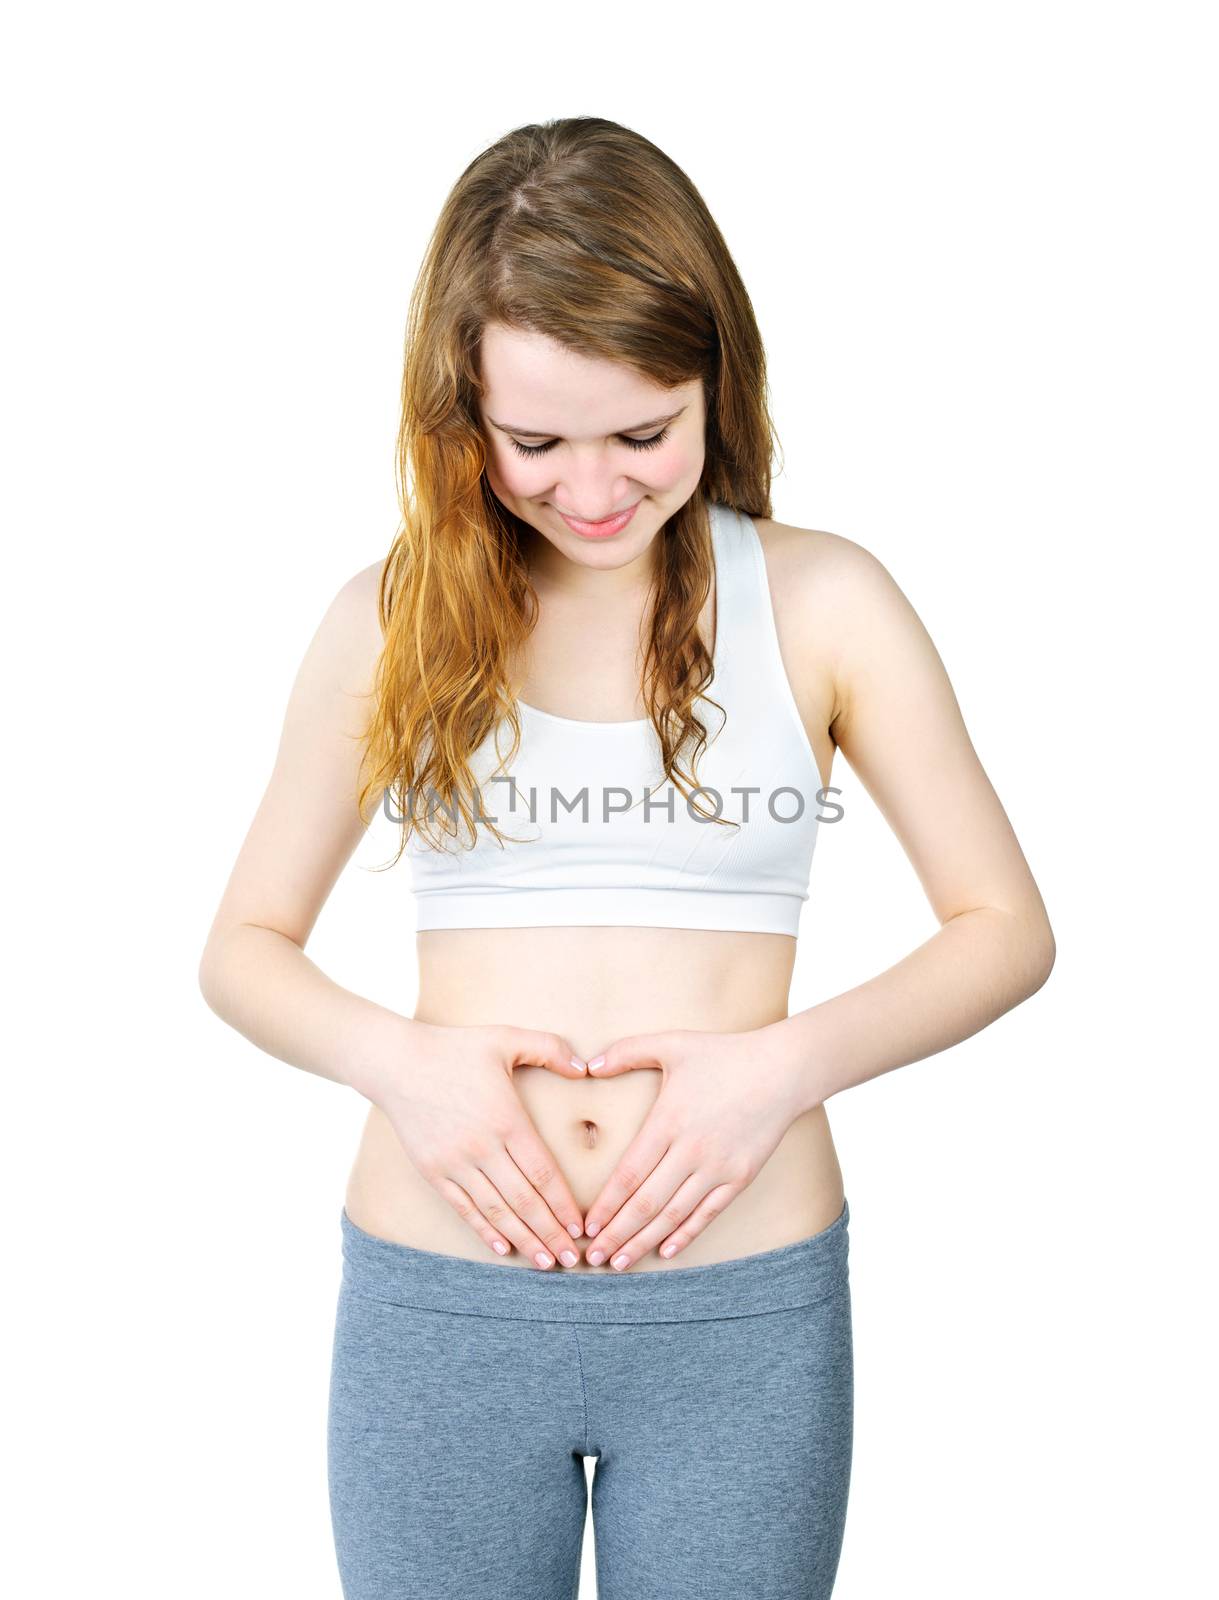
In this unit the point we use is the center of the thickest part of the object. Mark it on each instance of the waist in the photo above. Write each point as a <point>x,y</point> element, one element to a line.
<point>592,986</point>
<point>798,1192</point>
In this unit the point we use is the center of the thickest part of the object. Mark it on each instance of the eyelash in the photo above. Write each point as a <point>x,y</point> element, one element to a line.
<point>635,444</point>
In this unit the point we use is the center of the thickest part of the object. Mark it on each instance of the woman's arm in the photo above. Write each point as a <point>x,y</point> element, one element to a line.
<point>981,963</point>
<point>254,972</point>
<point>900,727</point>
<point>263,984</point>
<point>727,1099</point>
<point>448,1093</point>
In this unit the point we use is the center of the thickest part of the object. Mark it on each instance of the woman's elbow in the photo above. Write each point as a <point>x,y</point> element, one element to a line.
<point>1041,951</point>
<point>210,973</point>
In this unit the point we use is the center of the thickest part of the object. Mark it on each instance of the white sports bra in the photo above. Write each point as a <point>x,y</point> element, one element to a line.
<point>594,838</point>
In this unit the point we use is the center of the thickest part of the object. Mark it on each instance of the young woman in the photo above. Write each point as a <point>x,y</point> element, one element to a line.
<point>602,689</point>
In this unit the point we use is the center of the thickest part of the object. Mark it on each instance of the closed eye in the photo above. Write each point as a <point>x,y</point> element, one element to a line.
<point>635,444</point>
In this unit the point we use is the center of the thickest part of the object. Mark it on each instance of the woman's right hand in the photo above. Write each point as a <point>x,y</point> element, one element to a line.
<point>453,1104</point>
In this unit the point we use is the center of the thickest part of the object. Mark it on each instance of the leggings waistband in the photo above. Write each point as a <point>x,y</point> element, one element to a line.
<point>772,1280</point>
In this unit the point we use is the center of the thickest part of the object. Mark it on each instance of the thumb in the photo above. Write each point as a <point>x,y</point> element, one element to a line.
<point>531,1048</point>
<point>627,1055</point>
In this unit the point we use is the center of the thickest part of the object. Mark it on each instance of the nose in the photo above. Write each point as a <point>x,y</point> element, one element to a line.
<point>593,494</point>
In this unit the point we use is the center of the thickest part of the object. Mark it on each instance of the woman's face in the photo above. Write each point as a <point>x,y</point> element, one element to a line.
<point>569,435</point>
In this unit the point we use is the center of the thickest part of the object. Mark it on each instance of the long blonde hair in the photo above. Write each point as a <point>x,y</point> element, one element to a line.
<point>584,231</point>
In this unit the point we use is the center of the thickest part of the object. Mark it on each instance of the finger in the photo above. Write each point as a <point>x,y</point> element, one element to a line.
<point>710,1208</point>
<point>640,1159</point>
<point>533,1156</point>
<point>674,1226</point>
<point>627,1055</point>
<point>505,1221</point>
<point>470,1214</point>
<point>529,1047</point>
<point>652,1199</point>
<point>548,1235</point>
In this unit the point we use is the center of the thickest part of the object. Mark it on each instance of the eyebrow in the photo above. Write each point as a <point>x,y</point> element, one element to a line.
<point>535,433</point>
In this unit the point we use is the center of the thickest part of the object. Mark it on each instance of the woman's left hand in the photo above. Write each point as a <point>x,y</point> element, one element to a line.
<point>725,1102</point>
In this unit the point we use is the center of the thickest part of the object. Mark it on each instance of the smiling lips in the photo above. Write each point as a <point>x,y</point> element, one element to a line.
<point>599,530</point>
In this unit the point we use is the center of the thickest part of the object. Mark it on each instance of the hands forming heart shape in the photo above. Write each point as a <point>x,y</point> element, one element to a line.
<point>725,1102</point>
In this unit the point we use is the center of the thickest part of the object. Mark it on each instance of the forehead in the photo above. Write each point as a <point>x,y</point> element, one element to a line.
<point>535,383</point>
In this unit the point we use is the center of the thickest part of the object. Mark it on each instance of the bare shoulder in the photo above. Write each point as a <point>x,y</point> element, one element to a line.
<point>831,597</point>
<point>308,822</point>
<point>365,585</point>
<point>828,571</point>
<point>350,634</point>
<point>357,603</point>
<point>338,670</point>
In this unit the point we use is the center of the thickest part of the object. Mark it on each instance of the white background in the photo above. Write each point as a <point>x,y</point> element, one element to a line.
<point>979,240</point>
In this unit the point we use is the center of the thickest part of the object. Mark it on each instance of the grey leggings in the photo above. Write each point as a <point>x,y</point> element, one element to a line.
<point>717,1402</point>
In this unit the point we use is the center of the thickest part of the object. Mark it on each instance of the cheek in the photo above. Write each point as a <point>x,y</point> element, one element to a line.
<point>668,468</point>
<point>677,462</point>
<point>517,476</point>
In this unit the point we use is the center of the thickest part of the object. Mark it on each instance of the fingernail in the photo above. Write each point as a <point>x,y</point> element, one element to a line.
<point>543,1260</point>
<point>619,1262</point>
<point>500,1246</point>
<point>592,1228</point>
<point>668,1249</point>
<point>597,1061</point>
<point>568,1258</point>
<point>596,1257</point>
<point>574,1229</point>
<point>577,1063</point>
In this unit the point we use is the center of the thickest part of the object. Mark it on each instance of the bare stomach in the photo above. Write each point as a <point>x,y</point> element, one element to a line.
<point>595,985</point>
